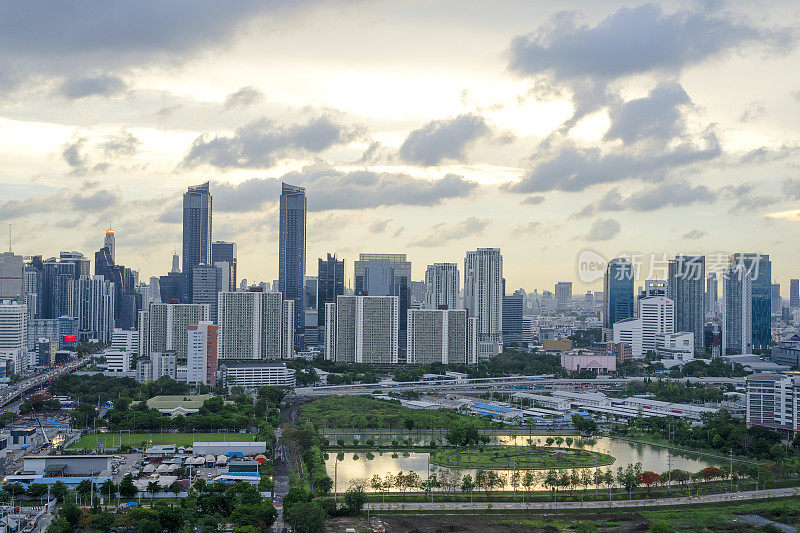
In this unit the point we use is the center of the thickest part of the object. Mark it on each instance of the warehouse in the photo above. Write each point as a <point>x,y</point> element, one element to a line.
<point>229,448</point>
<point>67,465</point>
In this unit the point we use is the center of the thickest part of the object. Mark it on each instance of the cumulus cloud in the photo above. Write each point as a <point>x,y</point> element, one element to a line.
<point>603,230</point>
<point>102,85</point>
<point>657,116</point>
<point>573,168</point>
<point>244,97</point>
<point>528,228</point>
<point>753,111</point>
<point>379,226</point>
<point>329,189</point>
<point>92,202</point>
<point>441,140</point>
<point>631,41</point>
<point>532,200</point>
<point>261,143</point>
<point>85,154</point>
<point>693,234</point>
<point>442,233</point>
<point>791,188</point>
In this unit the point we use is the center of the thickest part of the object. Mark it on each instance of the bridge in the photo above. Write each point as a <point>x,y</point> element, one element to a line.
<point>18,390</point>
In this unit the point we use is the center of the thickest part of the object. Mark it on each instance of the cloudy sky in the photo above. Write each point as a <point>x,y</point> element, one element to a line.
<point>426,127</point>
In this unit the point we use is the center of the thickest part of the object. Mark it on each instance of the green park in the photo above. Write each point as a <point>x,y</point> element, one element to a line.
<point>520,458</point>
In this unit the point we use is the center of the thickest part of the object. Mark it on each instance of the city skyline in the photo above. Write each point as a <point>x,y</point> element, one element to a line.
<point>489,132</point>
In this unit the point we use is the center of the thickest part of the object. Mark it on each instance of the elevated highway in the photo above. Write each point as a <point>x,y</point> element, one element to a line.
<point>18,390</point>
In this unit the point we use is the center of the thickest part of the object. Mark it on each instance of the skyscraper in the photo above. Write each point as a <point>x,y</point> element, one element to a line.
<point>483,297</point>
<point>759,269</point>
<point>12,283</point>
<point>225,252</point>
<point>330,284</point>
<point>207,283</point>
<point>712,294</point>
<point>362,329</point>
<point>164,327</point>
<point>794,293</point>
<point>442,286</point>
<point>687,274</point>
<point>292,253</point>
<point>512,318</point>
<point>91,301</point>
<point>776,303</point>
<point>197,211</point>
<point>737,325</point>
<point>617,292</point>
<point>201,356</point>
<point>380,274</point>
<point>256,326</point>
<point>439,336</point>
<point>110,242</point>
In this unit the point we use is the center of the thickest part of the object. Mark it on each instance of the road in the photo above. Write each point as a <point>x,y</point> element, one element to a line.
<point>615,504</point>
<point>11,393</point>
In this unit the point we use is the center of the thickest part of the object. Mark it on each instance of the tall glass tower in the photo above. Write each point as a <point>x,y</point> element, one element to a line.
<point>759,269</point>
<point>196,233</point>
<point>618,292</point>
<point>292,253</point>
<point>330,284</point>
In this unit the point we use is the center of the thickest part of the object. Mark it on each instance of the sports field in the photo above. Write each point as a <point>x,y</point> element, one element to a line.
<point>108,440</point>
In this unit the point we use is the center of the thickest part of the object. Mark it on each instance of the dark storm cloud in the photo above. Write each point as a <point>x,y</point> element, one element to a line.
<point>657,116</point>
<point>603,230</point>
<point>103,85</point>
<point>441,140</point>
<point>442,233</point>
<point>573,168</point>
<point>244,97</point>
<point>630,41</point>
<point>261,143</point>
<point>330,189</point>
<point>56,39</point>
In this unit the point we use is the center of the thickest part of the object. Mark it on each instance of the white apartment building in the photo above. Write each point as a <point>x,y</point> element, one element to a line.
<point>125,339</point>
<point>91,301</point>
<point>442,286</point>
<point>483,297</point>
<point>737,318</point>
<point>13,325</point>
<point>163,327</point>
<point>772,401</point>
<point>439,336</point>
<point>657,314</point>
<point>117,361</point>
<point>201,359</point>
<point>256,374</point>
<point>255,326</point>
<point>629,332</point>
<point>362,329</point>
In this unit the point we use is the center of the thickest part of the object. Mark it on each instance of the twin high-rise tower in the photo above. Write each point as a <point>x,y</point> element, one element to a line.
<point>292,253</point>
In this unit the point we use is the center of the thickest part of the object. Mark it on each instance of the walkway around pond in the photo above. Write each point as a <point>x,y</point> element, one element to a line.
<point>614,504</point>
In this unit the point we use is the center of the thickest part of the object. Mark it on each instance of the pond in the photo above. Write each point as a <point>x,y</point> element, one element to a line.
<point>353,466</point>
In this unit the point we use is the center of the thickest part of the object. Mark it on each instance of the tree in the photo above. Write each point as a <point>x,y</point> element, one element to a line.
<point>59,490</point>
<point>354,500</point>
<point>528,481</point>
<point>306,517</point>
<point>551,481</point>
<point>648,479</point>
<point>569,441</point>
<point>467,485</point>
<point>148,526</point>
<point>72,513</point>
<point>84,487</point>
<point>608,481</point>
<point>629,477</point>
<point>126,487</point>
<point>586,426</point>
<point>154,487</point>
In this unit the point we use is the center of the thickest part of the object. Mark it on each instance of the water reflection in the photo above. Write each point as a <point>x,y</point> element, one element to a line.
<point>354,466</point>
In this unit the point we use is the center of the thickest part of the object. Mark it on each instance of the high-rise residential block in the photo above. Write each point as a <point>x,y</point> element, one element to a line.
<point>225,252</point>
<point>759,269</point>
<point>776,302</point>
<point>330,284</point>
<point>617,292</point>
<point>442,289</point>
<point>91,302</point>
<point>439,336</point>
<point>382,274</point>
<point>13,327</point>
<point>687,277</point>
<point>563,292</point>
<point>197,226</point>
<point>292,252</point>
<point>737,314</point>
<point>256,326</point>
<point>362,329</point>
<point>794,293</point>
<point>163,327</point>
<point>712,294</point>
<point>12,278</point>
<point>202,351</point>
<point>207,283</point>
<point>483,297</point>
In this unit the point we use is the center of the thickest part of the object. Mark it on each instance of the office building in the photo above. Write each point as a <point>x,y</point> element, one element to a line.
<point>207,283</point>
<point>12,279</point>
<point>56,274</point>
<point>330,284</point>
<point>794,293</point>
<point>563,292</point>
<point>362,329</point>
<point>202,351</point>
<point>91,302</point>
<point>163,327</point>
<point>125,340</point>
<point>712,294</point>
<point>256,326</point>
<point>687,277</point>
<point>675,349</point>
<point>34,286</point>
<point>600,363</point>
<point>310,293</point>
<point>483,297</point>
<point>759,269</point>
<point>13,326</point>
<point>786,353</point>
<point>439,336</point>
<point>512,319</point>
<point>657,315</point>
<point>737,332</point>
<point>197,215</point>
<point>617,292</point>
<point>442,289</point>
<point>171,288</point>
<point>110,242</point>
<point>63,330</point>
<point>117,361</point>
<point>772,402</point>
<point>257,374</point>
<point>225,252</point>
<point>292,253</point>
<point>776,303</point>
<point>629,332</point>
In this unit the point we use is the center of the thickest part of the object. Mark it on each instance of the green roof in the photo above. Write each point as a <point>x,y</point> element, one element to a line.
<point>171,402</point>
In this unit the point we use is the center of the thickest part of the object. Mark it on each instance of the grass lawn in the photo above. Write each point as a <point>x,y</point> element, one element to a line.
<point>104,440</point>
<point>523,458</point>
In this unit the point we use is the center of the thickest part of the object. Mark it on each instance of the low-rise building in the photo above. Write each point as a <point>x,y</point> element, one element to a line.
<point>229,448</point>
<point>576,361</point>
<point>597,399</point>
<point>255,374</point>
<point>67,465</point>
<point>772,401</point>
